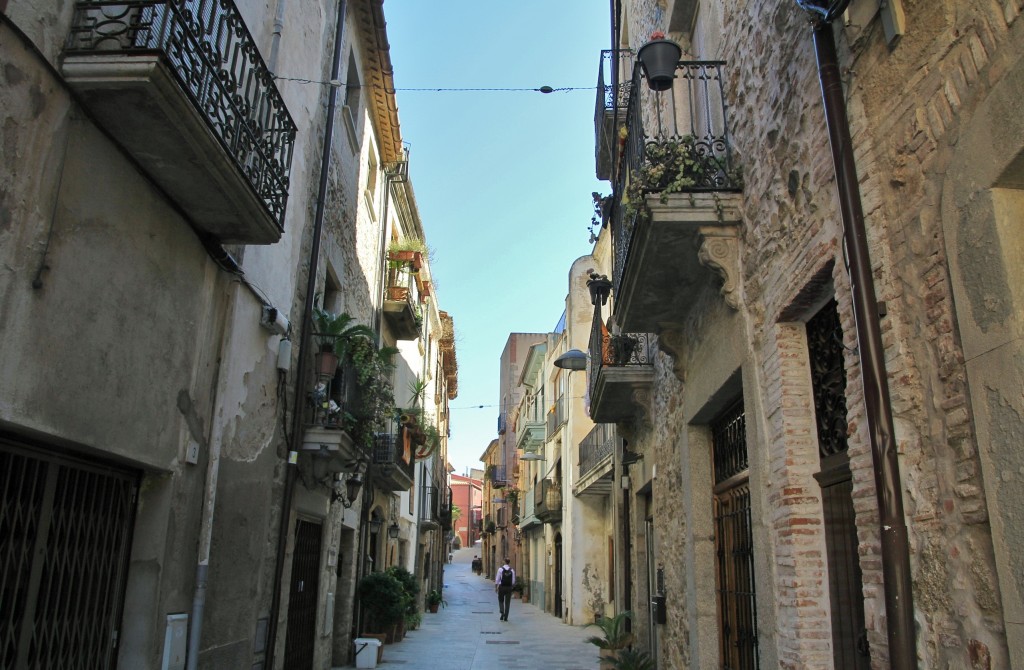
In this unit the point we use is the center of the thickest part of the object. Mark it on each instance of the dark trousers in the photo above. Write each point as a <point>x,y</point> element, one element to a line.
<point>504,600</point>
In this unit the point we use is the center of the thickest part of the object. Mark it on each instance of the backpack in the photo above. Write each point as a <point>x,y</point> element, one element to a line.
<point>506,577</point>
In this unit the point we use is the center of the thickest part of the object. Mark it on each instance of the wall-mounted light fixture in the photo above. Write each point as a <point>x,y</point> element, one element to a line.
<point>346,489</point>
<point>393,530</point>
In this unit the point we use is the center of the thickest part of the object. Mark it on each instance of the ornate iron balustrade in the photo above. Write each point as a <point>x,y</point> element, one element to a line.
<point>610,107</point>
<point>598,445</point>
<point>393,456</point>
<point>498,476</point>
<point>619,351</point>
<point>693,112</point>
<point>556,417</point>
<point>215,60</point>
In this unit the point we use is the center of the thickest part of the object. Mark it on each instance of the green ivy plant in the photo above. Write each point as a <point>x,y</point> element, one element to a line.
<point>372,371</point>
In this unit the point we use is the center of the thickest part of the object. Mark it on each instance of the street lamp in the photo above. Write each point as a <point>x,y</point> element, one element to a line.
<point>393,530</point>
<point>572,360</point>
<point>351,491</point>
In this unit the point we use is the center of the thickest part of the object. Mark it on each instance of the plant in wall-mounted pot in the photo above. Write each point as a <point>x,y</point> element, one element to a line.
<point>334,335</point>
<point>659,58</point>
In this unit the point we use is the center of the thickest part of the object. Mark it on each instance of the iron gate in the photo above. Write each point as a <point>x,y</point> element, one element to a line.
<point>734,542</point>
<point>305,587</point>
<point>65,534</point>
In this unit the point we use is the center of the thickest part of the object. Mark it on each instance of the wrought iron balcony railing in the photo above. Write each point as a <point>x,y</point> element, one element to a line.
<point>556,416</point>
<point>690,117</point>
<point>627,350</point>
<point>610,108</point>
<point>393,461</point>
<point>212,55</point>
<point>596,447</point>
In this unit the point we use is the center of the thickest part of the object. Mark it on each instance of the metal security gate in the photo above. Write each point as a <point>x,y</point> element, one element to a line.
<point>305,587</point>
<point>65,534</point>
<point>734,543</point>
<point>828,382</point>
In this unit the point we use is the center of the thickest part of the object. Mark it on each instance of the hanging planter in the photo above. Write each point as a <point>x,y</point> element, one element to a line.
<point>659,58</point>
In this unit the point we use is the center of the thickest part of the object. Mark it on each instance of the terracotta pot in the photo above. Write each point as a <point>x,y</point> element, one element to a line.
<point>326,364</point>
<point>433,607</point>
<point>398,293</point>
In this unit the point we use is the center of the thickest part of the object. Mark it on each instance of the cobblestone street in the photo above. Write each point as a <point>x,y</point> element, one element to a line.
<point>467,635</point>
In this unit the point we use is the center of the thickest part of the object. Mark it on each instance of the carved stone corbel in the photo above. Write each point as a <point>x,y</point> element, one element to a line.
<point>643,400</point>
<point>719,251</point>
<point>672,341</point>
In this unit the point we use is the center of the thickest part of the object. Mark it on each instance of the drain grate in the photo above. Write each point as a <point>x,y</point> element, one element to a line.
<point>502,642</point>
<point>490,632</point>
<point>487,612</point>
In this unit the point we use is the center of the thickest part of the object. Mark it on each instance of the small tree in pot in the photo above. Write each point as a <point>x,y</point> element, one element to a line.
<point>615,637</point>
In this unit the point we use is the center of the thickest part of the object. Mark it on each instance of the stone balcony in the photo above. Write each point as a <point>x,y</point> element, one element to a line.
<point>621,374</point>
<point>183,89</point>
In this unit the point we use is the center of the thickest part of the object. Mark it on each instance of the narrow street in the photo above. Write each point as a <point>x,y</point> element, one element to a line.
<point>467,635</point>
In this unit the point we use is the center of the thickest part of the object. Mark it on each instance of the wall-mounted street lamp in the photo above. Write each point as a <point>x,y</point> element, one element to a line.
<point>346,489</point>
<point>393,530</point>
<point>374,525</point>
<point>572,360</point>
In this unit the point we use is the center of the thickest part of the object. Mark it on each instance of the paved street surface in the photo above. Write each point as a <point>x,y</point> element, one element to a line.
<point>467,634</point>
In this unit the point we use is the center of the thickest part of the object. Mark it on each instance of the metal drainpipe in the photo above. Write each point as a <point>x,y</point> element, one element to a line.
<point>304,342</point>
<point>275,40</point>
<point>899,603</point>
<point>210,491</point>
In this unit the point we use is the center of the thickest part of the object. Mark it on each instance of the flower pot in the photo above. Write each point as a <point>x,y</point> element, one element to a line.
<point>607,657</point>
<point>326,364</point>
<point>432,607</point>
<point>398,293</point>
<point>659,59</point>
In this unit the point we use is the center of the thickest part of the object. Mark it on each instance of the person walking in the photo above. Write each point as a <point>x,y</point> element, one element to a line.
<point>503,583</point>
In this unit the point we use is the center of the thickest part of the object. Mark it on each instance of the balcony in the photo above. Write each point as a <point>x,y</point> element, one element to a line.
<point>597,452</point>
<point>675,207</point>
<point>528,519</point>
<point>610,110</point>
<point>547,501</point>
<point>393,461</point>
<point>498,476</point>
<point>183,88</point>
<point>621,372</point>
<point>402,298</point>
<point>530,425</point>
<point>430,508</point>
<point>556,417</point>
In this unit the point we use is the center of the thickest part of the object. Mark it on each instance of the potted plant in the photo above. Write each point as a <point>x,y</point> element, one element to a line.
<point>614,637</point>
<point>435,600</point>
<point>383,600</point>
<point>517,590</point>
<point>490,527</point>
<point>659,58</point>
<point>407,251</point>
<point>334,334</point>
<point>632,659</point>
<point>411,588</point>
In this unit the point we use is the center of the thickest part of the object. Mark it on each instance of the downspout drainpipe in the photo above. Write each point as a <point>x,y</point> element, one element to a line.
<point>304,342</point>
<point>210,490</point>
<point>899,604</point>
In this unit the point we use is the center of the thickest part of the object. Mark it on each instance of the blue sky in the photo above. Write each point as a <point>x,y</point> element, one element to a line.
<point>502,179</point>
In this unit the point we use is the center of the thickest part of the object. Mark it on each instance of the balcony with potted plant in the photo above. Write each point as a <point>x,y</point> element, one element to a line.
<point>674,211</point>
<point>207,124</point>
<point>405,289</point>
<point>334,399</point>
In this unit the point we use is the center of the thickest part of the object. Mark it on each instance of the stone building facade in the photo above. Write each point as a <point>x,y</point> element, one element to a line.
<point>759,343</point>
<point>162,460</point>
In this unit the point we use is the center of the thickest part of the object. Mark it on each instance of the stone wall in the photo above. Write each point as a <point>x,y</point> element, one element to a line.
<point>908,105</point>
